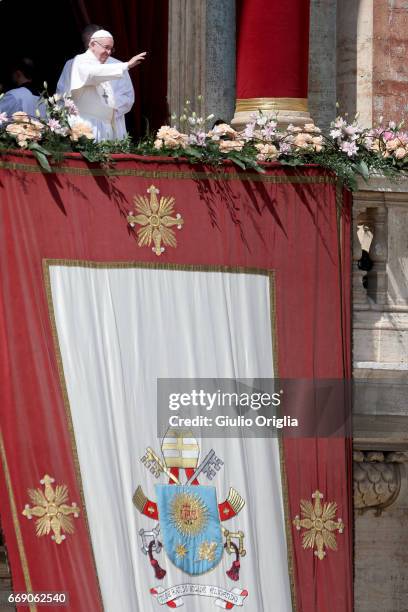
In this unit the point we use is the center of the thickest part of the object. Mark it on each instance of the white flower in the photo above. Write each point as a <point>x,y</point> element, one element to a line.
<point>249,131</point>
<point>349,147</point>
<point>352,131</point>
<point>262,120</point>
<point>339,123</point>
<point>3,118</point>
<point>335,133</point>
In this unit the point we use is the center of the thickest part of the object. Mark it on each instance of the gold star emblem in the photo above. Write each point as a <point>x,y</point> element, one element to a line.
<point>207,551</point>
<point>320,524</point>
<point>181,551</point>
<point>51,508</point>
<point>156,220</point>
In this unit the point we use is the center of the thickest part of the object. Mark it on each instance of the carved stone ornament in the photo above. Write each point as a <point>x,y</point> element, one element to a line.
<point>377,479</point>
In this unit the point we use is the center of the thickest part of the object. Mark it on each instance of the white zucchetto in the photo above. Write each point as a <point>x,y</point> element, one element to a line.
<point>101,34</point>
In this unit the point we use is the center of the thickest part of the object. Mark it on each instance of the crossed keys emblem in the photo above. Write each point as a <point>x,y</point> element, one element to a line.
<point>210,466</point>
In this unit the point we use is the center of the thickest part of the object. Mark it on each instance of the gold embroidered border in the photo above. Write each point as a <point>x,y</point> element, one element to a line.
<point>159,174</point>
<point>284,479</point>
<point>47,263</point>
<point>17,528</point>
<point>271,104</point>
<point>64,390</point>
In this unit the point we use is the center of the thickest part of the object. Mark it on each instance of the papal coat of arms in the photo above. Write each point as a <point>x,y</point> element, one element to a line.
<point>190,521</point>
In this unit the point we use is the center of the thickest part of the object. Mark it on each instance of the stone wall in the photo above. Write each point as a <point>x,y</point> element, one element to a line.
<point>390,49</point>
<point>380,359</point>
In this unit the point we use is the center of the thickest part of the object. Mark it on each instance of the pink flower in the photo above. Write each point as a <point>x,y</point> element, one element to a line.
<point>285,148</point>
<point>387,135</point>
<point>269,131</point>
<point>70,106</point>
<point>3,118</point>
<point>197,139</point>
<point>56,127</point>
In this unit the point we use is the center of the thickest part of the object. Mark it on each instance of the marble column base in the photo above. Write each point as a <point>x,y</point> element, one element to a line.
<point>284,118</point>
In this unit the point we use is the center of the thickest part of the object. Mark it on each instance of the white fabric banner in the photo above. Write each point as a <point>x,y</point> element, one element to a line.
<point>119,329</point>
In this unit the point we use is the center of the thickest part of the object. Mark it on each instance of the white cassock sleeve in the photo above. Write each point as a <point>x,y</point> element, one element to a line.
<point>63,85</point>
<point>87,73</point>
<point>9,104</point>
<point>124,95</point>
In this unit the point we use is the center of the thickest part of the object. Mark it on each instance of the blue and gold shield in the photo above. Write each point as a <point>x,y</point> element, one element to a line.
<point>190,526</point>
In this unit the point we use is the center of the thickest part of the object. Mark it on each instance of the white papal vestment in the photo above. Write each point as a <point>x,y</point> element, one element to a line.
<point>123,93</point>
<point>91,89</point>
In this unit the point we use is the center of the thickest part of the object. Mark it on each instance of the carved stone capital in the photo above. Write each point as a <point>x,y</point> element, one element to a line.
<point>377,479</point>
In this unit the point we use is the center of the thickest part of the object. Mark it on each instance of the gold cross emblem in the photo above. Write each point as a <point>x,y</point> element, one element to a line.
<point>51,508</point>
<point>156,220</point>
<point>320,524</point>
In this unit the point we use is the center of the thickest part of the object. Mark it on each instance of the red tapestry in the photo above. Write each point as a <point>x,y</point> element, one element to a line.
<point>295,222</point>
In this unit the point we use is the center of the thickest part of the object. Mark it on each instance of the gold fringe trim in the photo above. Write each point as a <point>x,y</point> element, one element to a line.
<point>174,175</point>
<point>70,424</point>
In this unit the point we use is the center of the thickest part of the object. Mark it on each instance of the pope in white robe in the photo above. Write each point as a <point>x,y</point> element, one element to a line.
<point>100,86</point>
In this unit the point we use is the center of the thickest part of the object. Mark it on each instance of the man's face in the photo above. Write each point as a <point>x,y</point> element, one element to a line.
<point>101,48</point>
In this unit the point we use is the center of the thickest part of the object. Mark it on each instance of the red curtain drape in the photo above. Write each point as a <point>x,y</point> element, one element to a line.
<point>295,222</point>
<point>137,26</point>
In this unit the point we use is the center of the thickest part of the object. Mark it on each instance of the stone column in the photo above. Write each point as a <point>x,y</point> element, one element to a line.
<point>355,58</point>
<point>272,60</point>
<point>201,56</point>
<point>322,62</point>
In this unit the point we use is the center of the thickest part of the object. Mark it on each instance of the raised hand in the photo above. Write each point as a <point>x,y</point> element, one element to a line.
<point>136,59</point>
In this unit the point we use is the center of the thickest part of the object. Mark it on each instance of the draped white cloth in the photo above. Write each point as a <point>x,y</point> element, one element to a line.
<point>119,329</point>
<point>103,93</point>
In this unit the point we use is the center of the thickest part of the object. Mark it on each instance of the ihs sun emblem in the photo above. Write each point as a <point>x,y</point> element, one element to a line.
<point>189,514</point>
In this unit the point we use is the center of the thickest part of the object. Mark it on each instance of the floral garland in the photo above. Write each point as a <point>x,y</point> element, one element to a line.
<point>348,149</point>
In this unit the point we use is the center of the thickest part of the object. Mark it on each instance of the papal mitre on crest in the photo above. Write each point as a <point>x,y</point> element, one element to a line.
<point>180,449</point>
